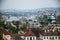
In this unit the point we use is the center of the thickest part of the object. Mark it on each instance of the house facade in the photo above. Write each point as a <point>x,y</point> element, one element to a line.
<point>51,37</point>
<point>30,38</point>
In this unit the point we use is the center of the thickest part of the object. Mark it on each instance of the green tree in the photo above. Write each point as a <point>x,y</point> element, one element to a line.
<point>1,34</point>
<point>2,25</point>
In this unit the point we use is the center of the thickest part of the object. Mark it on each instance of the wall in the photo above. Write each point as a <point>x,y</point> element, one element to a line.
<point>51,37</point>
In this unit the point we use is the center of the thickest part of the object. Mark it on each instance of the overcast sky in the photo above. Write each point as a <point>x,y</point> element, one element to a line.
<point>29,4</point>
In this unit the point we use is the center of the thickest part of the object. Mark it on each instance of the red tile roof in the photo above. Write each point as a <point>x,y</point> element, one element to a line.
<point>28,33</point>
<point>5,32</point>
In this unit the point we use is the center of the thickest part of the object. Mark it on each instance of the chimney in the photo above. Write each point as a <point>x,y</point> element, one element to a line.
<point>48,30</point>
<point>45,31</point>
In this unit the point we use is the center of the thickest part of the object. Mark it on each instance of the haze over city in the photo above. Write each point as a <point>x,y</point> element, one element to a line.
<point>29,4</point>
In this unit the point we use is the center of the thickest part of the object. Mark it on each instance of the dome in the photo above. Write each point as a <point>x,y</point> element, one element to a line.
<point>50,17</point>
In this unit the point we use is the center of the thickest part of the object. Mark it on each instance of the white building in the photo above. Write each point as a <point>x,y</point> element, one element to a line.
<point>30,38</point>
<point>51,35</point>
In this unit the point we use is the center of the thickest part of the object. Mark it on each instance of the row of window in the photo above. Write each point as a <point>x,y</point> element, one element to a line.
<point>30,38</point>
<point>26,38</point>
<point>51,37</point>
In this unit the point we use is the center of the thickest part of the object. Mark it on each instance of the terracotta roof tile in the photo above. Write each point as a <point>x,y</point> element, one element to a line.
<point>30,33</point>
<point>5,32</point>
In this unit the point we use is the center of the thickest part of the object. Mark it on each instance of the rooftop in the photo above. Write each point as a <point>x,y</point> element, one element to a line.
<point>51,33</point>
<point>30,33</point>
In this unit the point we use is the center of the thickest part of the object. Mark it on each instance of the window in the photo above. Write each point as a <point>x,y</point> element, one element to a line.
<point>47,37</point>
<point>50,37</point>
<point>55,37</point>
<point>44,37</point>
<point>59,37</point>
<point>33,38</point>
<point>30,38</point>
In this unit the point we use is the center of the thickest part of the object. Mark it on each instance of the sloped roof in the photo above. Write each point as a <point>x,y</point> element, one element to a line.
<point>51,33</point>
<point>30,33</point>
<point>5,32</point>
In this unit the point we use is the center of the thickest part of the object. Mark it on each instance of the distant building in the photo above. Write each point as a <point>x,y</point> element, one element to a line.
<point>58,19</point>
<point>51,20</point>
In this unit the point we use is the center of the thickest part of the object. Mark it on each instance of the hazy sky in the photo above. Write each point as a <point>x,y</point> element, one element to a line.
<point>29,4</point>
